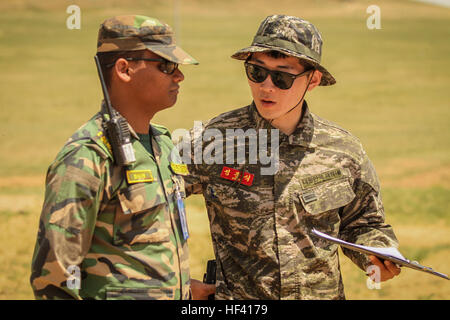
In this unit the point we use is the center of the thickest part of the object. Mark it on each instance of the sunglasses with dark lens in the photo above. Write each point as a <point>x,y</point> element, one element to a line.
<point>280,79</point>
<point>166,66</point>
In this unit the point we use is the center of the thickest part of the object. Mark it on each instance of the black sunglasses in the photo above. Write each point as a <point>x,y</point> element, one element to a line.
<point>166,66</point>
<point>280,79</point>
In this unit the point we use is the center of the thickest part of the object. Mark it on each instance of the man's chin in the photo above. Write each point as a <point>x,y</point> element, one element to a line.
<point>170,103</point>
<point>268,115</point>
<point>161,107</point>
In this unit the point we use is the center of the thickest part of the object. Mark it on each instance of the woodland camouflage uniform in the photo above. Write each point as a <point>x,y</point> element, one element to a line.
<point>119,227</point>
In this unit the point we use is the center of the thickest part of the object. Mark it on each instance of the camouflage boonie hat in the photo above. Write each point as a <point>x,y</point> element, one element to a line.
<point>292,36</point>
<point>135,32</point>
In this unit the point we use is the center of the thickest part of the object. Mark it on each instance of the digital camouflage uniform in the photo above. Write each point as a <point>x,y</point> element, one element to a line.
<point>261,233</point>
<point>262,227</point>
<point>119,227</point>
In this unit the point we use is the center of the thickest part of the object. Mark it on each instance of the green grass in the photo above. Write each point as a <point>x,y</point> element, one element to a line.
<point>429,205</point>
<point>392,92</point>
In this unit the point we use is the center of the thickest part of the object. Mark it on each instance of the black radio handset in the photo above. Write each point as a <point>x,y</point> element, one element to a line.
<point>117,129</point>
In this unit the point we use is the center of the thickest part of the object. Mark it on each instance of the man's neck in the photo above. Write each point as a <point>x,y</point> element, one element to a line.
<point>132,112</point>
<point>288,122</point>
<point>139,122</point>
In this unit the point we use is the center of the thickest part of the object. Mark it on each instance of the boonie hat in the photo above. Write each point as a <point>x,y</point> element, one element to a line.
<point>292,36</point>
<point>136,32</point>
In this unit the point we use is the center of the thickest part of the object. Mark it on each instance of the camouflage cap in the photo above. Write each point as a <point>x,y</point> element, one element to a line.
<point>292,36</point>
<point>135,32</point>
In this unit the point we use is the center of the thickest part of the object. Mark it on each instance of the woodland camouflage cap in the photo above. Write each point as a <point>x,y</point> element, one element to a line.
<point>292,36</point>
<point>135,32</point>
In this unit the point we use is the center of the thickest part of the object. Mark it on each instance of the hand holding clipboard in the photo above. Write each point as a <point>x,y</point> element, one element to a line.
<point>391,254</point>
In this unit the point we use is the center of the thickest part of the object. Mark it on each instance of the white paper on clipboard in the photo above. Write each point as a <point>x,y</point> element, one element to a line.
<point>390,253</point>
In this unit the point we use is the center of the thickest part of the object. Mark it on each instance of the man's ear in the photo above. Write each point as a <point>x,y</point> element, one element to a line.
<point>315,80</point>
<point>122,70</point>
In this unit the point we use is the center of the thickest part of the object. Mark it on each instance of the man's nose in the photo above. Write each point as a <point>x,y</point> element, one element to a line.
<point>267,85</point>
<point>178,76</point>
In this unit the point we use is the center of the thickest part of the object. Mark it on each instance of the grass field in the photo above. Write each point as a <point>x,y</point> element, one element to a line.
<point>392,92</point>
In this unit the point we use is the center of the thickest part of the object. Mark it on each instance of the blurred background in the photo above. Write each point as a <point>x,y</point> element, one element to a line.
<point>392,92</point>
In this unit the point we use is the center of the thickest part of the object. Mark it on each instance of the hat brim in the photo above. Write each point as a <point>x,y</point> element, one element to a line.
<point>327,78</point>
<point>172,53</point>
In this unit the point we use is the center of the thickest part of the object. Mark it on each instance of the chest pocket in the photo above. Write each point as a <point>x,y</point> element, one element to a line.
<point>327,196</point>
<point>144,216</point>
<point>139,197</point>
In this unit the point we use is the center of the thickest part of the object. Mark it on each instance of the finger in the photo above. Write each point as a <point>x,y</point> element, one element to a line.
<point>375,270</point>
<point>377,262</point>
<point>384,272</point>
<point>392,268</point>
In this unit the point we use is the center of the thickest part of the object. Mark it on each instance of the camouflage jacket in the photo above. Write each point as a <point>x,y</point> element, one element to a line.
<point>261,224</point>
<point>110,233</point>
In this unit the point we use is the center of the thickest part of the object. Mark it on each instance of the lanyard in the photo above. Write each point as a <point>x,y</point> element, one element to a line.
<point>181,212</point>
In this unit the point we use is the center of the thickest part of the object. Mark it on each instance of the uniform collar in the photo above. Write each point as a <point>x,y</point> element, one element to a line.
<point>303,134</point>
<point>154,129</point>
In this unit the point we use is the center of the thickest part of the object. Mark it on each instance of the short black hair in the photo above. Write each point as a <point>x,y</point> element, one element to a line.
<point>280,55</point>
<point>108,59</point>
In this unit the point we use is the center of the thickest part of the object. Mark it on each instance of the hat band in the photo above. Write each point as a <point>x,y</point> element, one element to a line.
<point>288,45</point>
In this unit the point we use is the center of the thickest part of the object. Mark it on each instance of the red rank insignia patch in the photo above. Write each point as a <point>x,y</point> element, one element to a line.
<point>233,175</point>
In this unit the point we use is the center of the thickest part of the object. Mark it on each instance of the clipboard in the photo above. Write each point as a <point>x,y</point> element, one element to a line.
<point>391,254</point>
